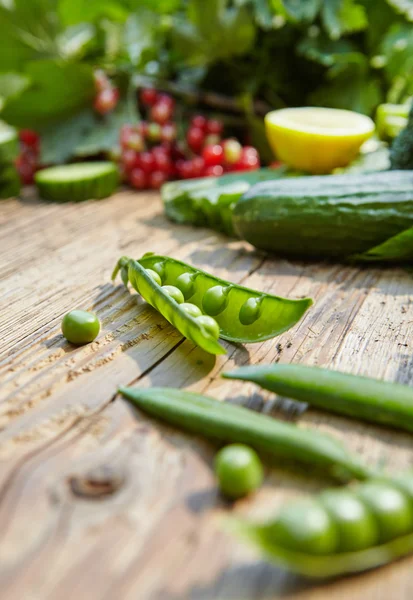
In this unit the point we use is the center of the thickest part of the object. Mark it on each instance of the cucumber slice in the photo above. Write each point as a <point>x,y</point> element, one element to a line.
<point>9,143</point>
<point>77,182</point>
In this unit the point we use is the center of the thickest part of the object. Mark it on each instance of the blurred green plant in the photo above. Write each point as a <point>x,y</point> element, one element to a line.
<point>351,54</point>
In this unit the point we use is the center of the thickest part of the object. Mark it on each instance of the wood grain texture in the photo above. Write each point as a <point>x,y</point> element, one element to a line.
<point>100,502</point>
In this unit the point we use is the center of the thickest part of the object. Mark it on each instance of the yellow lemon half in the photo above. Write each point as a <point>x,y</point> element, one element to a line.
<point>317,140</point>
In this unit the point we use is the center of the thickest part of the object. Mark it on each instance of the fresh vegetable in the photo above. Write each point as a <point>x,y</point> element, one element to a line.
<point>334,216</point>
<point>222,421</point>
<point>80,327</point>
<point>239,470</point>
<point>242,314</point>
<point>391,119</point>
<point>351,395</point>
<point>401,154</point>
<point>340,531</point>
<point>80,181</point>
<point>317,140</point>
<point>148,283</point>
<point>209,202</point>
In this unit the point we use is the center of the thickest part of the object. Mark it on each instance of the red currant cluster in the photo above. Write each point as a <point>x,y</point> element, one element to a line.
<point>27,163</point>
<point>151,154</point>
<point>107,95</point>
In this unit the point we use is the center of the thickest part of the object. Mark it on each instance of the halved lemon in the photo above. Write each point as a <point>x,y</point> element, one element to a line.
<point>317,140</point>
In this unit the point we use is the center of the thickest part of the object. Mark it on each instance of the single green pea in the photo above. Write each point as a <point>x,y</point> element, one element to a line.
<point>174,293</point>
<point>239,470</point>
<point>249,311</point>
<point>215,300</point>
<point>154,276</point>
<point>210,325</point>
<point>391,507</point>
<point>191,309</point>
<point>80,327</point>
<point>185,282</point>
<point>159,267</point>
<point>306,527</point>
<point>357,528</point>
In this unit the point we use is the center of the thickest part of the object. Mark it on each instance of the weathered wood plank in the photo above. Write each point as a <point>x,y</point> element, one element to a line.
<point>158,535</point>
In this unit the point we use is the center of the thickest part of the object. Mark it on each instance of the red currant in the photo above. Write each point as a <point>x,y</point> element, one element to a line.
<point>213,155</point>
<point>29,138</point>
<point>138,179</point>
<point>106,100</point>
<point>149,96</point>
<point>162,160</point>
<point>154,132</point>
<point>147,162</point>
<point>129,159</point>
<point>167,99</point>
<point>214,171</point>
<point>199,122</point>
<point>26,170</point>
<point>178,152</point>
<point>161,113</point>
<point>168,132</point>
<point>249,160</point>
<point>185,169</point>
<point>198,166</point>
<point>133,140</point>
<point>232,151</point>
<point>215,126</point>
<point>195,139</point>
<point>157,179</point>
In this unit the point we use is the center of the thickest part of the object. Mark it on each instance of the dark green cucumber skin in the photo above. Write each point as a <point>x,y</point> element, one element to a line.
<point>74,192</point>
<point>332,216</point>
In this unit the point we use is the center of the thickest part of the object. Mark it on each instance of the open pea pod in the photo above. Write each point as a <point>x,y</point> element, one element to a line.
<point>340,531</point>
<point>243,315</point>
<point>157,296</point>
<point>334,565</point>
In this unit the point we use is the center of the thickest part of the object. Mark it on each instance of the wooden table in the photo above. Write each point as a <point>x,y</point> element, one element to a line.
<point>98,502</point>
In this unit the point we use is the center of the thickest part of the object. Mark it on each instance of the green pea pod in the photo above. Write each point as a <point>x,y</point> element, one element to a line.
<point>397,248</point>
<point>243,314</point>
<point>306,536</point>
<point>350,395</point>
<point>230,423</point>
<point>191,327</point>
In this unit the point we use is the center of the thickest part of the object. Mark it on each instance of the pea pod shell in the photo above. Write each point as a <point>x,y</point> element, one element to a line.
<point>354,396</point>
<point>274,316</point>
<point>168,308</point>
<point>229,423</point>
<point>321,566</point>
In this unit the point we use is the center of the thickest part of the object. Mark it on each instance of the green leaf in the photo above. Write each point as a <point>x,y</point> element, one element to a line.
<point>76,41</point>
<point>73,12</point>
<point>214,31</point>
<point>397,48</point>
<point>343,16</point>
<point>12,85</point>
<point>60,140</point>
<point>105,134</point>
<point>403,7</point>
<point>57,90</point>
<point>139,36</point>
<point>300,10</point>
<point>324,50</point>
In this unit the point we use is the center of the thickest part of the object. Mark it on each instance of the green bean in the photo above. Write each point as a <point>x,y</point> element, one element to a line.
<point>339,531</point>
<point>243,315</point>
<point>230,423</point>
<point>165,299</point>
<point>350,395</point>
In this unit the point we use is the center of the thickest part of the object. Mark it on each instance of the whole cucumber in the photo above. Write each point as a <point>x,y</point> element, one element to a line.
<point>331,216</point>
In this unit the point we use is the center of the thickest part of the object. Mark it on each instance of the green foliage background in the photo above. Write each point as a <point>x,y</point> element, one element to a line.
<point>343,53</point>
